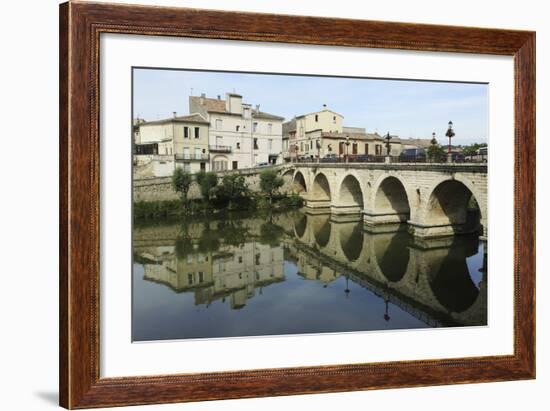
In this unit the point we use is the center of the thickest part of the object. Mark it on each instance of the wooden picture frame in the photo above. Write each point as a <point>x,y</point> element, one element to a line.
<point>80,27</point>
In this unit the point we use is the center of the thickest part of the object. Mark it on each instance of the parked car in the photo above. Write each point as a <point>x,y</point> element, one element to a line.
<point>412,155</point>
<point>330,158</point>
<point>457,157</point>
<point>361,158</point>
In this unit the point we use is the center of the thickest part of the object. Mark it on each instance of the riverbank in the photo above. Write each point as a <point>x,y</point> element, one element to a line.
<point>146,210</point>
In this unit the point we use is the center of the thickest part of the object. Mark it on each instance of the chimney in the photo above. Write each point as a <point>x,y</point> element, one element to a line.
<point>219,97</point>
<point>203,96</point>
<point>175,114</point>
<point>324,106</point>
<point>257,108</point>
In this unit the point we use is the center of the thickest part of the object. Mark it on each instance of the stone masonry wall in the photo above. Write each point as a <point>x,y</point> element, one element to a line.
<point>160,188</point>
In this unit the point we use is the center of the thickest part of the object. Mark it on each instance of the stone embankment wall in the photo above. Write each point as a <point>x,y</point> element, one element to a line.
<point>160,188</point>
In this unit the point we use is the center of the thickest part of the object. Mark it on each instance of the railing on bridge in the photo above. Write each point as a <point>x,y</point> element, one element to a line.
<point>384,159</point>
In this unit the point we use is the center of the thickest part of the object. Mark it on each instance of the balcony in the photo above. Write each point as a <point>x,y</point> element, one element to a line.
<point>192,157</point>
<point>220,149</point>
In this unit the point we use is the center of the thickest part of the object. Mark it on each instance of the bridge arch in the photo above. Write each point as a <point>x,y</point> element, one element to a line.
<point>350,192</point>
<point>299,183</point>
<point>452,202</point>
<point>321,188</point>
<point>390,198</point>
<point>392,255</point>
<point>300,225</point>
<point>322,228</point>
<point>288,177</point>
<point>351,240</point>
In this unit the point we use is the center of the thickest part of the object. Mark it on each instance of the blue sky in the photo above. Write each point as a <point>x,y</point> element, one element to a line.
<point>404,108</point>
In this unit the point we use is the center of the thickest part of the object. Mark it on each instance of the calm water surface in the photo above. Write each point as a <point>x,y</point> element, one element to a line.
<point>294,273</point>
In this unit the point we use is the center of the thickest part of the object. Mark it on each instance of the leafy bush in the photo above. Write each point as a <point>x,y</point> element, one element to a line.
<point>292,201</point>
<point>270,182</point>
<point>233,192</point>
<point>207,182</point>
<point>181,181</point>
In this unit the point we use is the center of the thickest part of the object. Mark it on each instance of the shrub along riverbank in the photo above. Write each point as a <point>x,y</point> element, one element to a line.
<point>230,193</point>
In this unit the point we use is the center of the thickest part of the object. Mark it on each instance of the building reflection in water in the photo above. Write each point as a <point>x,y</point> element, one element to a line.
<point>435,283</point>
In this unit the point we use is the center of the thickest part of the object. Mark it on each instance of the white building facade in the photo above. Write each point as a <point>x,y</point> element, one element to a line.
<point>161,146</point>
<point>240,136</point>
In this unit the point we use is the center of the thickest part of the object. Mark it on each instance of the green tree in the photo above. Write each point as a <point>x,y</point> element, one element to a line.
<point>270,182</point>
<point>207,182</point>
<point>232,189</point>
<point>436,152</point>
<point>472,149</point>
<point>181,181</point>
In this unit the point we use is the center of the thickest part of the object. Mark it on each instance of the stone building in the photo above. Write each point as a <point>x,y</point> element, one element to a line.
<point>240,136</point>
<point>161,146</point>
<point>321,133</point>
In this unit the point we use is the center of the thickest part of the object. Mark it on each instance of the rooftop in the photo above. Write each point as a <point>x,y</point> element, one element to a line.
<point>191,118</point>
<point>217,105</point>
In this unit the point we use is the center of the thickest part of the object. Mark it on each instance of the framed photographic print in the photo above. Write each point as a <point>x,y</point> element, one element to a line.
<point>258,205</point>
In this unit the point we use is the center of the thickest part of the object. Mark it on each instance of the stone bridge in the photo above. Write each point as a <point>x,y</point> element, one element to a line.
<point>435,200</point>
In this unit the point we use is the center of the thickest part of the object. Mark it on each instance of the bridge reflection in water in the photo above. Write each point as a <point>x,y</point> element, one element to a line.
<point>297,273</point>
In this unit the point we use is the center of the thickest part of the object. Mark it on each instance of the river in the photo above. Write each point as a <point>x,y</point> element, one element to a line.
<point>292,273</point>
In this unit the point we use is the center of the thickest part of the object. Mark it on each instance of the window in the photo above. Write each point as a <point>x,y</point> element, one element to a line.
<point>301,146</point>
<point>187,167</point>
<point>197,132</point>
<point>201,277</point>
<point>219,140</point>
<point>238,146</point>
<point>185,132</point>
<point>255,144</point>
<point>197,153</point>
<point>220,165</point>
<point>237,128</point>
<point>270,144</point>
<point>354,148</point>
<point>235,165</point>
<point>316,118</point>
<point>218,124</point>
<point>334,119</point>
<point>254,127</point>
<point>366,149</point>
<point>190,278</point>
<point>240,259</point>
<point>246,112</point>
<point>257,259</point>
<point>269,128</point>
<point>203,166</point>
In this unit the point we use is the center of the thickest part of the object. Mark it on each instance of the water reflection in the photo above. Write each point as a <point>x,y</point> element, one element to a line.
<point>297,273</point>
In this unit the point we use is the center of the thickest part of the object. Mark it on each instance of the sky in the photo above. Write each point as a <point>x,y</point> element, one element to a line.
<point>403,108</point>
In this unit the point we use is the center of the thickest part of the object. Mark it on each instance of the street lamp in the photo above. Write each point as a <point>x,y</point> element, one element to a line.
<point>347,149</point>
<point>318,144</point>
<point>450,133</point>
<point>388,145</point>
<point>433,142</point>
